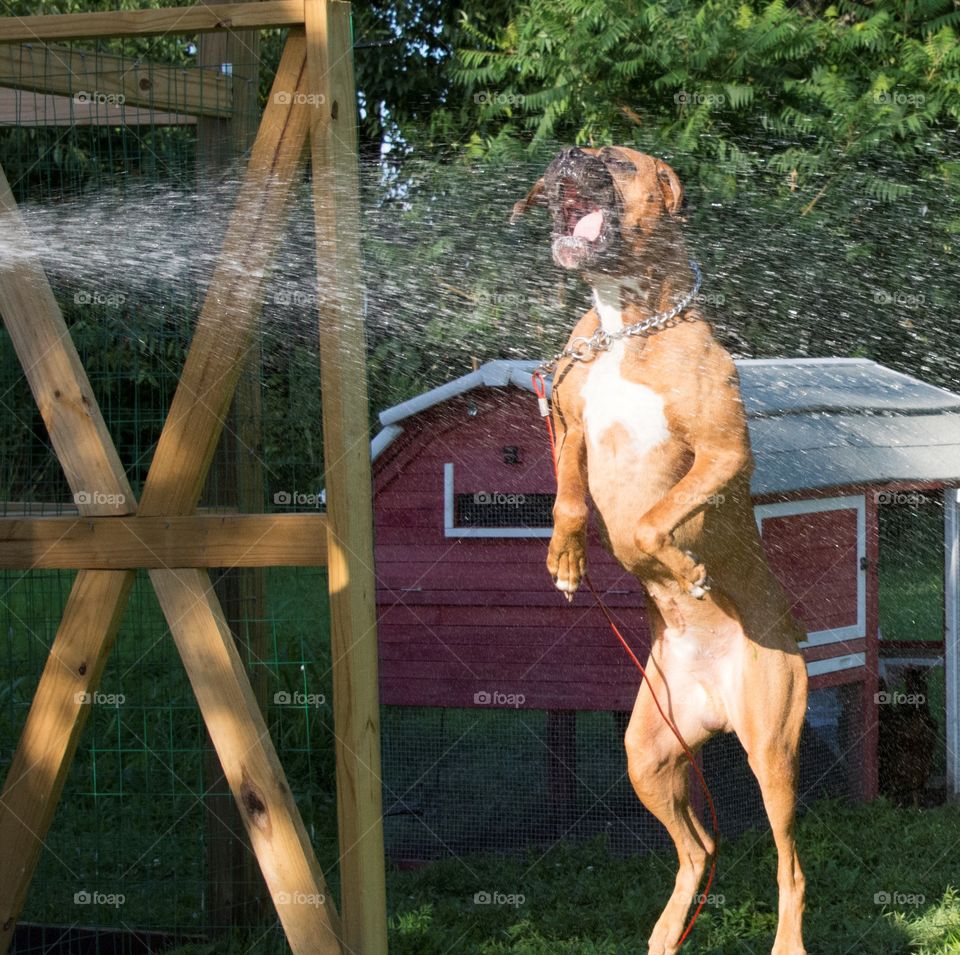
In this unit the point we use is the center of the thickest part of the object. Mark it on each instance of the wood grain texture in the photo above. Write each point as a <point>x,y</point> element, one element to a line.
<point>333,140</point>
<point>198,540</point>
<point>25,109</point>
<point>46,68</point>
<point>250,764</point>
<point>170,20</point>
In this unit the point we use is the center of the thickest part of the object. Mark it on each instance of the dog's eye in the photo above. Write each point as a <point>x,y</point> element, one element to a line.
<point>614,161</point>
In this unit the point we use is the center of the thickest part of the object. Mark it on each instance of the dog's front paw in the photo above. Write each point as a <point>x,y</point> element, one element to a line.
<point>695,576</point>
<point>567,562</point>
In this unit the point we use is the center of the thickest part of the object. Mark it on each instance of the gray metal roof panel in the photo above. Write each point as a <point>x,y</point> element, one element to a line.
<point>797,386</point>
<point>804,469</point>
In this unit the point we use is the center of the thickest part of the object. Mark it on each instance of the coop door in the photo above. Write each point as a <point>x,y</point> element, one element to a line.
<point>818,550</point>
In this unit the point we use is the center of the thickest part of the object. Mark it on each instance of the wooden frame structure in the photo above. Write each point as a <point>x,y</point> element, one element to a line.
<point>113,534</point>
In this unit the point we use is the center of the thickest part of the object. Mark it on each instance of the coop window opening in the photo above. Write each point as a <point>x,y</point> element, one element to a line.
<point>490,512</point>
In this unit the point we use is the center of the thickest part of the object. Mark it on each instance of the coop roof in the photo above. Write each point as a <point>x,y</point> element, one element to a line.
<point>814,422</point>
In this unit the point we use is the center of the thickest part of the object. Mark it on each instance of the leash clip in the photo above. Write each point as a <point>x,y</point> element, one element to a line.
<point>540,389</point>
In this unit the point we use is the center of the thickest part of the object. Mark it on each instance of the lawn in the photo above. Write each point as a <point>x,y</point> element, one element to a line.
<point>880,881</point>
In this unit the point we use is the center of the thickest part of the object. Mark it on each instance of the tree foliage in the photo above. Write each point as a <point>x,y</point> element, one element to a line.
<point>817,142</point>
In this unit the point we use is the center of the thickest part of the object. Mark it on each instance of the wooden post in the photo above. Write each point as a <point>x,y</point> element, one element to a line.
<point>561,769</point>
<point>235,893</point>
<point>173,485</point>
<point>333,140</point>
<point>871,713</point>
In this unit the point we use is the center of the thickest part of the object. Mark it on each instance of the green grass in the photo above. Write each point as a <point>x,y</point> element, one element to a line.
<point>578,900</point>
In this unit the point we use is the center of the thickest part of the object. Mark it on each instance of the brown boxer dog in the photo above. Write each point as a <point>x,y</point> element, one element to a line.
<point>653,429</point>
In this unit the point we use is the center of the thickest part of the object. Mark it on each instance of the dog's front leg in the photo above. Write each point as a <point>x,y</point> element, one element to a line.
<point>567,556</point>
<point>704,484</point>
<point>714,426</point>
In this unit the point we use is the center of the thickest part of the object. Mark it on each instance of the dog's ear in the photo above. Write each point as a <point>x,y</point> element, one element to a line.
<point>670,188</point>
<point>534,197</point>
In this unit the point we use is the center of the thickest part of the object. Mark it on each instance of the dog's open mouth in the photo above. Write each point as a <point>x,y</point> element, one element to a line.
<point>582,219</point>
<point>583,204</point>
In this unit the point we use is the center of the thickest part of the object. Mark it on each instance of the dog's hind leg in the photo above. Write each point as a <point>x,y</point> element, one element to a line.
<point>769,730</point>
<point>659,772</point>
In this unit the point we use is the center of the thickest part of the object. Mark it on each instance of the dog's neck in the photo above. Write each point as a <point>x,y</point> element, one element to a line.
<point>622,300</point>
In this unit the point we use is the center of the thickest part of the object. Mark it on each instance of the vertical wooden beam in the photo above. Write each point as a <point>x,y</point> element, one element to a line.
<point>35,779</point>
<point>235,893</point>
<point>951,509</point>
<point>333,139</point>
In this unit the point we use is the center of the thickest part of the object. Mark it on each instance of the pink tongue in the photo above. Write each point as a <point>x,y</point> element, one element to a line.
<point>589,226</point>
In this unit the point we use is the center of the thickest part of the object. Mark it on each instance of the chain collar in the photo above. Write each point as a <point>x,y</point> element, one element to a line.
<point>584,349</point>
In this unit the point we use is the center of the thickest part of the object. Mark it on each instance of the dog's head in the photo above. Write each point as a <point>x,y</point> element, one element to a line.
<point>610,207</point>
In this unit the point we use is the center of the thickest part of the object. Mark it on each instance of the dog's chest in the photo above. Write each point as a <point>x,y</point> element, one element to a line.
<point>615,409</point>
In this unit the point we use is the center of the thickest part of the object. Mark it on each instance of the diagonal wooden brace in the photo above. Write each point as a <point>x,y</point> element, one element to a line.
<point>224,331</point>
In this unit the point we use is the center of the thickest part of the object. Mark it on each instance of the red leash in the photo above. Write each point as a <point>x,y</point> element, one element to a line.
<point>540,388</point>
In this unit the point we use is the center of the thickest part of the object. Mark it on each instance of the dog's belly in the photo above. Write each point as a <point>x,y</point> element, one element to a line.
<point>629,465</point>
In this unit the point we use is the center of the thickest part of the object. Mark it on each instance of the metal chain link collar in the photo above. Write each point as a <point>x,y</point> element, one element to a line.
<point>583,348</point>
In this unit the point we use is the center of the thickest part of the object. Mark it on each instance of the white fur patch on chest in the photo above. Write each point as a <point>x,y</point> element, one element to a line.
<point>608,297</point>
<point>610,401</point>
